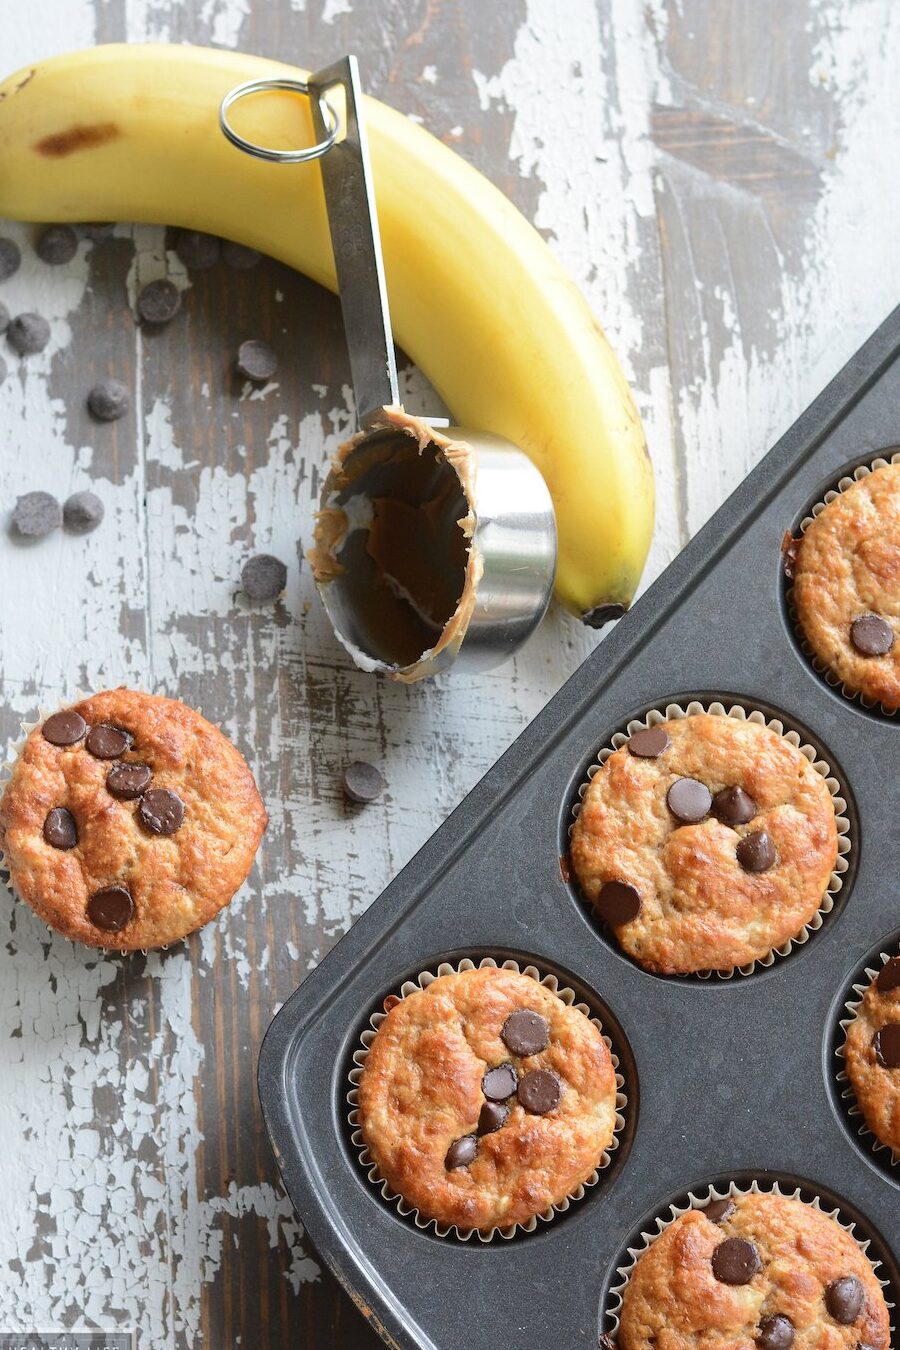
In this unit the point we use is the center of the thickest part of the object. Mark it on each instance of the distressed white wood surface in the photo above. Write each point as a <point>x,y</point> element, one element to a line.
<point>719,178</point>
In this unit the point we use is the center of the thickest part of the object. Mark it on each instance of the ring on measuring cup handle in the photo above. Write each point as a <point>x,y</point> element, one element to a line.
<point>301,156</point>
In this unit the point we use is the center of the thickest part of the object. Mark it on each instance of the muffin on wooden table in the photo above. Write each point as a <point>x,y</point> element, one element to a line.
<point>872,1055</point>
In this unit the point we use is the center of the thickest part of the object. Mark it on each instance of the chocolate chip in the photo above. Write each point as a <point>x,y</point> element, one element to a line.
<point>4,317</point>
<point>28,334</point>
<point>525,1032</point>
<point>56,244</point>
<point>871,635</point>
<point>106,742</point>
<point>161,811</point>
<point>111,908</point>
<point>775,1333</point>
<point>756,852</point>
<point>159,301</point>
<point>688,800</point>
<point>96,230</point>
<point>539,1091</point>
<point>60,829</point>
<point>83,512</point>
<point>10,258</point>
<point>64,728</point>
<point>844,1299</point>
<point>198,251</point>
<point>649,743</point>
<point>889,976</point>
<point>735,1261</point>
<point>886,1044</point>
<point>499,1083</point>
<point>462,1152</point>
<point>263,577</point>
<point>36,514</point>
<point>239,256</point>
<point>128,781</point>
<point>493,1115</point>
<point>717,1211</point>
<point>618,902</point>
<point>733,806</point>
<point>362,782</point>
<point>109,400</point>
<point>256,360</point>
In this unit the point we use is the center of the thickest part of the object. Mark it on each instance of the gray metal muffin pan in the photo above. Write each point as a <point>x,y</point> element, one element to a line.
<point>726,1079</point>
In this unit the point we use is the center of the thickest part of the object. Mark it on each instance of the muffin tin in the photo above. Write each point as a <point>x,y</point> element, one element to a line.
<point>726,1080</point>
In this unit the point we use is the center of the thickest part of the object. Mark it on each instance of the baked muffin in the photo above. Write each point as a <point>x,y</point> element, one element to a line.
<point>484,1100</point>
<point>872,1055</point>
<point>756,1270</point>
<point>705,842</point>
<point>129,820</point>
<point>846,576</point>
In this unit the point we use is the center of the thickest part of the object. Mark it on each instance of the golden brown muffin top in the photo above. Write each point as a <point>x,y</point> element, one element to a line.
<point>771,1272</point>
<point>846,576</point>
<point>129,820</point>
<point>547,1110</point>
<point>705,843</point>
<point>872,1055</point>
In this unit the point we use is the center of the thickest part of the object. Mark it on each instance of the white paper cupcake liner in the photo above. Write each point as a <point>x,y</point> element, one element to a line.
<point>820,667</point>
<point>673,711</point>
<point>856,1119</point>
<point>422,981</point>
<point>616,1294</point>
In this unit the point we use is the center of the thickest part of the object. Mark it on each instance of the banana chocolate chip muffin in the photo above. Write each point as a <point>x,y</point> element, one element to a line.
<point>484,1100</point>
<point>129,820</point>
<point>872,1055</point>
<point>846,576</point>
<point>754,1270</point>
<point>705,842</point>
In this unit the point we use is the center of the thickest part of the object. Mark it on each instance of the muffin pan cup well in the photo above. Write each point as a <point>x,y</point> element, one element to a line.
<point>855,1121</point>
<point>736,1077</point>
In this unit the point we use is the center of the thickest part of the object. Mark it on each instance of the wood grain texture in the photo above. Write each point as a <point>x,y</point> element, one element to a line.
<point>714,176</point>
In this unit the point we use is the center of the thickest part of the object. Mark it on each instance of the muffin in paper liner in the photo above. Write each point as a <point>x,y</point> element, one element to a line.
<point>699,1200</point>
<point>408,1211</point>
<point>789,543</point>
<point>673,711</point>
<point>854,1115</point>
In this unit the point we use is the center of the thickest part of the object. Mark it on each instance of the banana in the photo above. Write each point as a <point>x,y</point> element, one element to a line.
<point>478,299</point>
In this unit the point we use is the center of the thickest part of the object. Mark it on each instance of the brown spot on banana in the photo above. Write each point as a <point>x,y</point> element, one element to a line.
<point>75,138</point>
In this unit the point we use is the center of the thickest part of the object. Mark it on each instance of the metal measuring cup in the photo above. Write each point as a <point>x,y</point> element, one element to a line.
<point>434,544</point>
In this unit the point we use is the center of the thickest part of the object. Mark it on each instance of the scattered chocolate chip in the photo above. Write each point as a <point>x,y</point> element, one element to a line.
<point>56,244</point>
<point>64,728</point>
<point>649,743</point>
<point>886,1044</point>
<point>775,1333</point>
<point>97,229</point>
<point>263,577</point>
<point>462,1152</point>
<point>36,514</point>
<point>688,800</point>
<point>128,781</point>
<point>525,1032</point>
<point>871,635</point>
<point>60,829</point>
<point>733,806</point>
<point>83,512</point>
<point>161,811</point>
<point>111,908</point>
<point>493,1115</point>
<point>106,742</point>
<point>28,334</point>
<point>756,852</point>
<point>844,1299</point>
<point>618,902</point>
<point>601,615</point>
<point>499,1083</point>
<point>362,782</point>
<point>717,1211</point>
<point>539,1091</point>
<point>159,301</point>
<point>735,1261</point>
<point>10,258</point>
<point>197,250</point>
<point>889,976</point>
<point>4,317</point>
<point>790,547</point>
<point>109,400</point>
<point>239,256</point>
<point>256,361</point>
